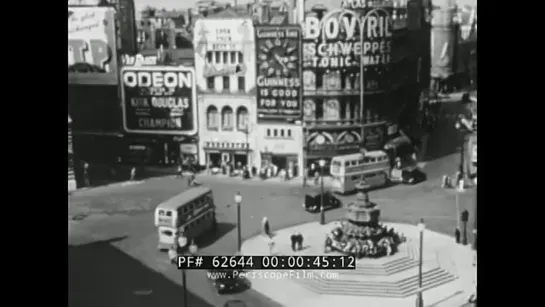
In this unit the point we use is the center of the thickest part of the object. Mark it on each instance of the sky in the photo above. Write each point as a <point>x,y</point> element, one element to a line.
<point>176,4</point>
<point>182,4</point>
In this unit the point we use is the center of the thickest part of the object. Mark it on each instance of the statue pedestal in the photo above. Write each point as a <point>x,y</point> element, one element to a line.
<point>363,212</point>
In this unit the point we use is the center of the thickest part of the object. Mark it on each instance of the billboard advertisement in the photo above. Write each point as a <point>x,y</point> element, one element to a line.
<point>331,52</point>
<point>92,54</point>
<point>159,100</point>
<point>376,44</point>
<point>442,42</point>
<point>278,69</point>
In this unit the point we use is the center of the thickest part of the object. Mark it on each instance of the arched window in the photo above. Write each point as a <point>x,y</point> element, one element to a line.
<point>242,118</point>
<point>212,120</point>
<point>227,120</point>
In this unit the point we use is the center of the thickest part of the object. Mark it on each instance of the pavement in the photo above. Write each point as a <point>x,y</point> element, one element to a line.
<point>112,240</point>
<point>290,293</point>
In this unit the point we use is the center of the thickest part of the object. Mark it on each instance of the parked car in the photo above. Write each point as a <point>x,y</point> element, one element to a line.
<point>412,175</point>
<point>228,281</point>
<point>313,200</point>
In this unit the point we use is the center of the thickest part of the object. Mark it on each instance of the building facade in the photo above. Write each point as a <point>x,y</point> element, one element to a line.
<point>93,97</point>
<point>225,76</point>
<point>279,87</point>
<point>361,68</point>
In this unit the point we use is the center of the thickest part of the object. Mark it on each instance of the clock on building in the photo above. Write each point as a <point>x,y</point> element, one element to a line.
<point>278,58</point>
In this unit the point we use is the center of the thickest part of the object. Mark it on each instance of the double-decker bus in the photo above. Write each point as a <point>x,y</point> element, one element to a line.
<point>189,214</point>
<point>371,167</point>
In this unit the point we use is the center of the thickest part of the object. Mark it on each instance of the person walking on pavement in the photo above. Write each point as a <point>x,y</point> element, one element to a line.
<point>293,240</point>
<point>86,178</point>
<point>179,172</point>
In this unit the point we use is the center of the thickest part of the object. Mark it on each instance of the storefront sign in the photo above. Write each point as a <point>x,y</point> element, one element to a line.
<point>279,88</point>
<point>139,60</point>
<point>159,100</point>
<point>92,54</point>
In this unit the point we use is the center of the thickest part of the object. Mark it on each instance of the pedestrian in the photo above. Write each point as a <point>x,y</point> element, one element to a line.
<point>299,241</point>
<point>271,245</point>
<point>180,171</point>
<point>312,169</point>
<point>316,178</point>
<point>86,178</point>
<point>266,227</point>
<point>133,173</point>
<point>293,239</point>
<point>173,253</point>
<point>446,182</point>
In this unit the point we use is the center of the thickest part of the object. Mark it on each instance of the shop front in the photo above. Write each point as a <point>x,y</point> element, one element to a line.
<point>281,149</point>
<point>219,154</point>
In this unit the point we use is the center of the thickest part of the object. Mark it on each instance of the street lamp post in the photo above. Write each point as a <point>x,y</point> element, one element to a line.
<point>322,213</point>
<point>238,201</point>
<point>192,251</point>
<point>419,298</point>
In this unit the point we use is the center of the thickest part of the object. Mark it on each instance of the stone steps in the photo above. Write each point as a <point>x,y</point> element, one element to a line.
<point>389,268</point>
<point>402,288</point>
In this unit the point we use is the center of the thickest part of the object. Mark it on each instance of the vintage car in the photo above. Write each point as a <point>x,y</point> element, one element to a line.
<point>227,281</point>
<point>408,175</point>
<point>313,200</point>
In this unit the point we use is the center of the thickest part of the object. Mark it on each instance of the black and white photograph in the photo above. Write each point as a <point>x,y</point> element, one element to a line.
<point>275,153</point>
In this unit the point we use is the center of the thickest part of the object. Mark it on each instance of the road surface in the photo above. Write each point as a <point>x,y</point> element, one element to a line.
<point>112,241</point>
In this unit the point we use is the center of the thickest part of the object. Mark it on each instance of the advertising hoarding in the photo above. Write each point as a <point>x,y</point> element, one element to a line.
<point>278,69</point>
<point>92,54</point>
<point>159,100</point>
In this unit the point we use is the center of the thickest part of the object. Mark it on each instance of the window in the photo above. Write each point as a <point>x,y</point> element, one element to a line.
<point>242,118</point>
<point>218,57</point>
<point>275,133</point>
<point>210,83</point>
<point>227,118</point>
<point>289,133</point>
<point>225,57</point>
<point>233,57</point>
<point>225,82</point>
<point>353,163</point>
<point>169,213</point>
<point>240,57</point>
<point>281,132</point>
<point>347,163</point>
<point>268,132</point>
<point>209,57</point>
<point>241,84</point>
<point>356,178</point>
<point>212,118</point>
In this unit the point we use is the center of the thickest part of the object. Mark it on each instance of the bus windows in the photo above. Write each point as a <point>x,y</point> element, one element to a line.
<point>354,178</point>
<point>184,210</point>
<point>347,163</point>
<point>167,233</point>
<point>361,161</point>
<point>169,213</point>
<point>354,163</point>
<point>366,160</point>
<point>161,212</point>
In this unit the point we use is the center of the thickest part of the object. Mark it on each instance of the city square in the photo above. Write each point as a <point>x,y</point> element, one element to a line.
<point>272,128</point>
